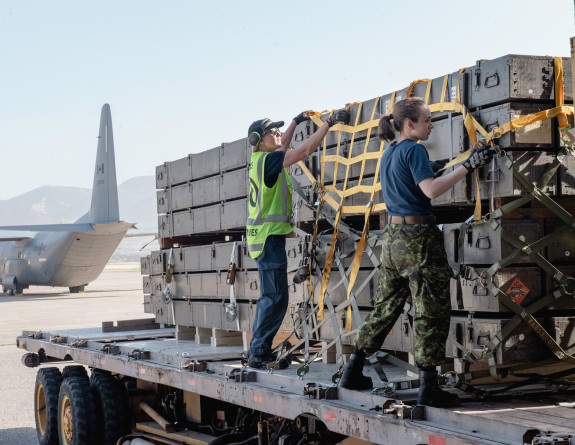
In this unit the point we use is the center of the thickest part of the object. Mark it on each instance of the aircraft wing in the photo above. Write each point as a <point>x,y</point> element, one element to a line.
<point>77,227</point>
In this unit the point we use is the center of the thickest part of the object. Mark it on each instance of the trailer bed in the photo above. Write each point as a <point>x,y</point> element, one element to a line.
<point>156,356</point>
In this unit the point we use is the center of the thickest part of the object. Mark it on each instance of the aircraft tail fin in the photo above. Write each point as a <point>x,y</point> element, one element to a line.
<point>105,206</point>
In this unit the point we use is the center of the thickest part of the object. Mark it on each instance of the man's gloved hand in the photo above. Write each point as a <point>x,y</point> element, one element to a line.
<point>436,166</point>
<point>342,116</point>
<point>303,116</point>
<point>479,156</point>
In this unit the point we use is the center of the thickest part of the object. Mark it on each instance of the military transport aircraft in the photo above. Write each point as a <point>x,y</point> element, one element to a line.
<point>70,255</point>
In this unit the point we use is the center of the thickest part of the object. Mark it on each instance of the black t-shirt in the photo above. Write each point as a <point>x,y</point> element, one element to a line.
<point>273,167</point>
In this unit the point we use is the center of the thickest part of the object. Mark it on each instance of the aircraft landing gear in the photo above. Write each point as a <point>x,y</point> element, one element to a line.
<point>77,289</point>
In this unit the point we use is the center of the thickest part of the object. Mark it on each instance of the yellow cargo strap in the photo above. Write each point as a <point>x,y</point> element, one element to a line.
<point>329,259</point>
<point>415,82</point>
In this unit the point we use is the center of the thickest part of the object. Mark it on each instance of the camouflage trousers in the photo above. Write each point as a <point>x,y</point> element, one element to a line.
<point>413,261</point>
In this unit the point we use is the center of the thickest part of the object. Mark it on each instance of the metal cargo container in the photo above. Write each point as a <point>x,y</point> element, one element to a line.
<point>523,345</point>
<point>469,292</point>
<point>235,155</point>
<point>539,135</point>
<point>562,250</point>
<point>566,297</point>
<point>173,173</point>
<point>497,181</point>
<point>206,163</point>
<point>516,78</point>
<point>481,244</point>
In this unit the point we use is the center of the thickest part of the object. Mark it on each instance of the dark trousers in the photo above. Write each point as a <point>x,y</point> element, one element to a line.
<point>270,310</point>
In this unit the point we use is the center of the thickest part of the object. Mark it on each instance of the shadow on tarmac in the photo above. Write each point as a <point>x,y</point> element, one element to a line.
<point>61,296</point>
<point>18,436</point>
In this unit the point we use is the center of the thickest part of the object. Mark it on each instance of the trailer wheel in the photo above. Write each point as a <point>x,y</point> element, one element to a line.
<point>111,408</point>
<point>76,412</point>
<point>74,371</point>
<point>46,390</point>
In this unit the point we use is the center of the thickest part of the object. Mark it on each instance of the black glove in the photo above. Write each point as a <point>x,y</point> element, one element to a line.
<point>436,166</point>
<point>339,116</point>
<point>479,156</point>
<point>303,116</point>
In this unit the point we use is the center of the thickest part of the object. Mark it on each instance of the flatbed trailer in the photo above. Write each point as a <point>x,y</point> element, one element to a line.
<point>180,392</point>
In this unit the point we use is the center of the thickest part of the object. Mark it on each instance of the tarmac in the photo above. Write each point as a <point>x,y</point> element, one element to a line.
<point>115,295</point>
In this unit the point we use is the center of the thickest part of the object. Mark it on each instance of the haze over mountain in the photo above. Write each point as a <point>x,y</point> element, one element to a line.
<point>59,204</point>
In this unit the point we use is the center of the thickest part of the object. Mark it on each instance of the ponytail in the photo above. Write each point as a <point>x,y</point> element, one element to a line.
<point>409,108</point>
<point>386,128</point>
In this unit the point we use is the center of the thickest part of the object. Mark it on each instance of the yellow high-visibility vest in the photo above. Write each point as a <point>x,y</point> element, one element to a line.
<point>269,209</point>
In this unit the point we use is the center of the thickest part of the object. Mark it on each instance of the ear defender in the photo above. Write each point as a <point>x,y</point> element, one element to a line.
<point>255,137</point>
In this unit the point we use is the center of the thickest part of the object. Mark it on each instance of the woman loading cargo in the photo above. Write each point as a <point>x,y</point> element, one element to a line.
<point>413,258</point>
<point>269,211</point>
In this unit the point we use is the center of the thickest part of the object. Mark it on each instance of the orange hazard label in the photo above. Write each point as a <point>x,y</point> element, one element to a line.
<point>329,416</point>
<point>517,291</point>
<point>436,440</point>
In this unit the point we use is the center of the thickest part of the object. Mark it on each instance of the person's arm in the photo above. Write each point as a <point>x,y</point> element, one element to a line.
<point>286,137</point>
<point>309,146</point>
<point>434,187</point>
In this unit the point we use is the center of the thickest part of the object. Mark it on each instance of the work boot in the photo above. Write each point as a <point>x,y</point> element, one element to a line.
<point>430,394</point>
<point>353,377</point>
<point>262,361</point>
<point>283,362</point>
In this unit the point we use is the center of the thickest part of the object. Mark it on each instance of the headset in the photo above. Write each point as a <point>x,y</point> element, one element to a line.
<point>255,136</point>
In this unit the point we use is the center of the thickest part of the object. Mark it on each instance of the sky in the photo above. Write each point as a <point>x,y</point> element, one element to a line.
<point>184,76</point>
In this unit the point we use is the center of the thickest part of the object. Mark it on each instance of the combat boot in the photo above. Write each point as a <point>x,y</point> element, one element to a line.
<point>353,377</point>
<point>430,394</point>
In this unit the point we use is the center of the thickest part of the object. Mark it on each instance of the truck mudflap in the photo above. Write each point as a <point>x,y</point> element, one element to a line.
<point>156,356</point>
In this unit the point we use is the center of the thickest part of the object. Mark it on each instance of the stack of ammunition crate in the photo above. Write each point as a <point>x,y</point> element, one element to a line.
<point>202,210</point>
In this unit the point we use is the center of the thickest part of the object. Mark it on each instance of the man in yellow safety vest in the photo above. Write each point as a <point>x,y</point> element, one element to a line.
<point>269,211</point>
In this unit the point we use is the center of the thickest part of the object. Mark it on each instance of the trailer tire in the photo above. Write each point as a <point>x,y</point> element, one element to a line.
<point>46,390</point>
<point>76,412</point>
<point>111,408</point>
<point>74,371</point>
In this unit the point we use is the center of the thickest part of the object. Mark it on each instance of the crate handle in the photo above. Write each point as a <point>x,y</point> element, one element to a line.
<point>479,244</point>
<point>493,175</point>
<point>485,335</point>
<point>489,83</point>
<point>253,285</point>
<point>479,291</point>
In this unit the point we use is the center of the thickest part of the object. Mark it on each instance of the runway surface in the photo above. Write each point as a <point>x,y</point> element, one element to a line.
<point>115,295</point>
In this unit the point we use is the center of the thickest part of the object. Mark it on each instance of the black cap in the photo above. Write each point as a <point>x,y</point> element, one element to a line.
<point>262,125</point>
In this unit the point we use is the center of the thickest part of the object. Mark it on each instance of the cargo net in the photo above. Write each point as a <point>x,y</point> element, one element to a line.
<point>343,318</point>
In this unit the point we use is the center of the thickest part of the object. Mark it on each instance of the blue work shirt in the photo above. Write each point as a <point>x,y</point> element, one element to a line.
<point>273,167</point>
<point>403,166</point>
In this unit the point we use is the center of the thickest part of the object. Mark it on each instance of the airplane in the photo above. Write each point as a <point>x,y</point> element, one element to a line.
<point>70,255</point>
